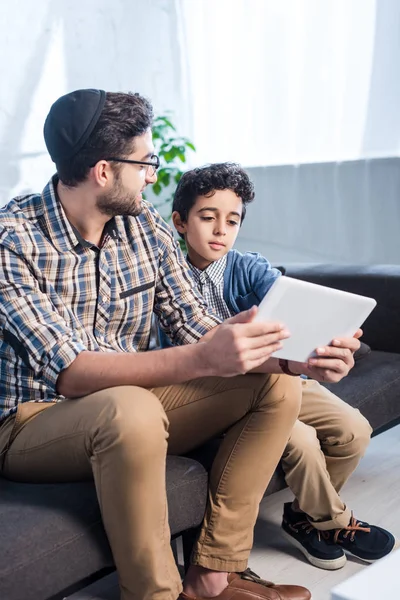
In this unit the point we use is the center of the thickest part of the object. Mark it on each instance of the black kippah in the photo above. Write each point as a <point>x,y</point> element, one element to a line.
<point>70,122</point>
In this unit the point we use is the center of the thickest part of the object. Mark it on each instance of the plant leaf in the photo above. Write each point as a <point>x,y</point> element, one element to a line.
<point>156,188</point>
<point>172,150</point>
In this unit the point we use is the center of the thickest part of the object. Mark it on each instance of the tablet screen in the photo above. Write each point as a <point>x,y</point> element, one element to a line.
<point>314,315</point>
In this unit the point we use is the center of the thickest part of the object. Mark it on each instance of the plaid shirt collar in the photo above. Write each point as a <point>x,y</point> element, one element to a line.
<point>62,233</point>
<point>215,271</point>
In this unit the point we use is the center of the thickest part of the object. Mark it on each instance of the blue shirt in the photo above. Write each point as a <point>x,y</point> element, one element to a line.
<point>247,278</point>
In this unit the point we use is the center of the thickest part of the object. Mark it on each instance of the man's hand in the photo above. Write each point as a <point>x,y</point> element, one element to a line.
<point>239,344</point>
<point>333,362</point>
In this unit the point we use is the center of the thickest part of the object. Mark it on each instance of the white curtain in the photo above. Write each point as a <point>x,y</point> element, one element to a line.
<point>291,81</point>
<point>306,94</point>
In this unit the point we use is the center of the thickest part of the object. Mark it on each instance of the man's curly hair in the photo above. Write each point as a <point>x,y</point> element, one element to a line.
<point>205,181</point>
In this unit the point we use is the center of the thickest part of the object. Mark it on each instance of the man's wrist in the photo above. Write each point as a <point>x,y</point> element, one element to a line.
<point>204,365</point>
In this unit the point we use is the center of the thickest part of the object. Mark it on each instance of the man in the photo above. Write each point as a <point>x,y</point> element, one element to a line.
<point>83,266</point>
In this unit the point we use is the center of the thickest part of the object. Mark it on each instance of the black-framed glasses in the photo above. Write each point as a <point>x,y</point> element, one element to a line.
<point>152,165</point>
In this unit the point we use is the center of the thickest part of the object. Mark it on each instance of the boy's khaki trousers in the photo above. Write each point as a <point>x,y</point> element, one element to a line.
<point>324,448</point>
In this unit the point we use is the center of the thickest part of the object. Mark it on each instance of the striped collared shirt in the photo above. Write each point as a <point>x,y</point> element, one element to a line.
<point>61,295</point>
<point>210,283</point>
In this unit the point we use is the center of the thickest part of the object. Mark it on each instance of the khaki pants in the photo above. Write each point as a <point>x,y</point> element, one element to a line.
<point>121,436</point>
<point>325,447</point>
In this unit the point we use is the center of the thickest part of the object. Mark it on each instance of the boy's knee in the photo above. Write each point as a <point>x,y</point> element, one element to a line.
<point>361,430</point>
<point>303,443</point>
<point>352,430</point>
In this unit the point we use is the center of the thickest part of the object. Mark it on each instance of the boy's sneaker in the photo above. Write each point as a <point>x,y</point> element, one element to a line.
<point>298,530</point>
<point>367,542</point>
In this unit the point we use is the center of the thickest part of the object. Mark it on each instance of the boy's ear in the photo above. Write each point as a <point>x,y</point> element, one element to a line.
<point>179,225</point>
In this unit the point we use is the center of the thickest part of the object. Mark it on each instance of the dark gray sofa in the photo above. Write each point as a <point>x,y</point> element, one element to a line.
<point>52,539</point>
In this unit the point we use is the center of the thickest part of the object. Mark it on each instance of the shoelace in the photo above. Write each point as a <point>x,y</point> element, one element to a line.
<point>308,528</point>
<point>249,575</point>
<point>352,528</point>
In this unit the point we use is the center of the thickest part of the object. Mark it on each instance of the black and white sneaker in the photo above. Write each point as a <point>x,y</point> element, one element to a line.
<point>298,530</point>
<point>364,541</point>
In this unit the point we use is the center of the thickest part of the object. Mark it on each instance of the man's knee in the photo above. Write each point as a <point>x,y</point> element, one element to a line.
<point>129,415</point>
<point>288,392</point>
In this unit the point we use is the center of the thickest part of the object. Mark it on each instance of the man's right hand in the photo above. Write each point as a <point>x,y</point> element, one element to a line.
<point>232,348</point>
<point>241,344</point>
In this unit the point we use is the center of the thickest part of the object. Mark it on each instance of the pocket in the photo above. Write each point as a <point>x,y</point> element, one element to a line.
<point>6,429</point>
<point>130,319</point>
<point>26,411</point>
<point>136,290</point>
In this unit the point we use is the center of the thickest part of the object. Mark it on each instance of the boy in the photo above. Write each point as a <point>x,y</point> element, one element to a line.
<point>330,437</point>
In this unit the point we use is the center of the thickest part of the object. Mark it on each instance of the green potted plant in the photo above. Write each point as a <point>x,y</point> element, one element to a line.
<point>173,151</point>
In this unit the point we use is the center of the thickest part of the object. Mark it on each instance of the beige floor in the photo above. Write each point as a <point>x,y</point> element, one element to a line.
<point>373,492</point>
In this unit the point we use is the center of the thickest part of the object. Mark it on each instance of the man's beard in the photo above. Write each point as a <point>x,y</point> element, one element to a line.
<point>119,202</point>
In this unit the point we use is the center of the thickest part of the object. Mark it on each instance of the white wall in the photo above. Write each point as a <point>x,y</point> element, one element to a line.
<point>50,47</point>
<point>347,212</point>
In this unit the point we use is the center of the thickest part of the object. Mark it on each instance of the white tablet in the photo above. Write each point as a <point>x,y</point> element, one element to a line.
<point>314,315</point>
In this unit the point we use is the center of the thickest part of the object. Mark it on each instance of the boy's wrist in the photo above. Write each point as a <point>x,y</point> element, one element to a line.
<point>288,367</point>
<point>297,367</point>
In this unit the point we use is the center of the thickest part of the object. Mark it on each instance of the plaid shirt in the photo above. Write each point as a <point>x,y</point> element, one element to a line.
<point>61,295</point>
<point>210,283</point>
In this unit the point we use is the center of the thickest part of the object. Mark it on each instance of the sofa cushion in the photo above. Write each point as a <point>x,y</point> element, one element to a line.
<point>52,535</point>
<point>373,387</point>
<point>362,352</point>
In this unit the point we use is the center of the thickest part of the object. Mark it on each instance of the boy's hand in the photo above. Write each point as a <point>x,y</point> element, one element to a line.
<point>333,362</point>
<point>240,345</point>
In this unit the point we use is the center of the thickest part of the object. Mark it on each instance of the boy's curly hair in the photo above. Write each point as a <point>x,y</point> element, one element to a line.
<point>205,181</point>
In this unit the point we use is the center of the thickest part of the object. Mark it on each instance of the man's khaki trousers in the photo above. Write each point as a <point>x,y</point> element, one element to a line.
<point>121,436</point>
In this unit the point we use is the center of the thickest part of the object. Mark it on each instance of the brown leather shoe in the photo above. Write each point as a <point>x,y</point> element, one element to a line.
<point>249,586</point>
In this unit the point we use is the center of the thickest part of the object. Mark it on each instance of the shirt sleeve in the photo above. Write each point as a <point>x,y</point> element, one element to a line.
<point>182,312</point>
<point>30,323</point>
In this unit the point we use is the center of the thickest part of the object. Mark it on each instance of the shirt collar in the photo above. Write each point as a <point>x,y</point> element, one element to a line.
<point>62,233</point>
<point>215,271</point>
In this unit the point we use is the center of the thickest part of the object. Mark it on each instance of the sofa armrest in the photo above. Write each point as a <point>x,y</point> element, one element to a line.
<point>382,282</point>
